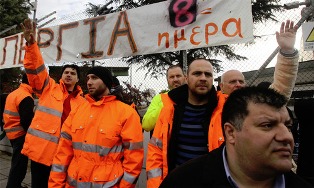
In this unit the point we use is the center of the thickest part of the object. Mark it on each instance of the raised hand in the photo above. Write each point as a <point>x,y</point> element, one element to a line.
<point>286,36</point>
<point>29,30</point>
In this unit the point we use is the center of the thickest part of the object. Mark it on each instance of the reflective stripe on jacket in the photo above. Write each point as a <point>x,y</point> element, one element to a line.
<point>44,132</point>
<point>101,145</point>
<point>11,115</point>
<point>157,161</point>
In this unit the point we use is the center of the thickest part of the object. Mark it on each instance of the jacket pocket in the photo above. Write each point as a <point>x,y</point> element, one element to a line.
<point>48,114</point>
<point>110,173</point>
<point>109,142</point>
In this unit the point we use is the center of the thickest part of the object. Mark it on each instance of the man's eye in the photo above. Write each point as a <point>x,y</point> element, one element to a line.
<point>289,126</point>
<point>268,125</point>
<point>208,74</point>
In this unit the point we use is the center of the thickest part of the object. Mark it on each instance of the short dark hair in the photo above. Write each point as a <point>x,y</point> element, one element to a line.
<point>172,67</point>
<point>73,66</point>
<point>235,108</point>
<point>264,84</point>
<point>194,59</point>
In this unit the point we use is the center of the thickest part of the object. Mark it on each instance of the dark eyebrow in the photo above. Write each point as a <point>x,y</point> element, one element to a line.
<point>289,122</point>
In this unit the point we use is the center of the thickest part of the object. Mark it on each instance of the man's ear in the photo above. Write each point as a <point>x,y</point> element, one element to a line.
<point>221,85</point>
<point>230,131</point>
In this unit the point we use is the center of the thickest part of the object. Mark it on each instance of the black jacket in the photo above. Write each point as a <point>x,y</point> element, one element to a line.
<point>208,171</point>
<point>180,96</point>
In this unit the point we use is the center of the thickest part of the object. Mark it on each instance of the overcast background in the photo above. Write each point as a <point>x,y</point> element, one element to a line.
<point>67,10</point>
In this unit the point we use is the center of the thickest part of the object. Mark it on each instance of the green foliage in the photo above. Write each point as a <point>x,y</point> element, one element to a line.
<point>156,64</point>
<point>264,10</point>
<point>12,12</point>
<point>136,95</point>
<point>10,79</point>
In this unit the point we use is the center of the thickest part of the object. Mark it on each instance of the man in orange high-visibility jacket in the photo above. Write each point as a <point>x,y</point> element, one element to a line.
<point>175,78</point>
<point>18,114</point>
<point>190,124</point>
<point>54,105</point>
<point>101,144</point>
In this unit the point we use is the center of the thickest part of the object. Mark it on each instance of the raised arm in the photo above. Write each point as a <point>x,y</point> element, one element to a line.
<point>29,31</point>
<point>33,62</point>
<point>287,61</point>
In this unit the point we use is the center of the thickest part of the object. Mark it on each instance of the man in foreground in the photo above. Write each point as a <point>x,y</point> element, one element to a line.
<point>257,151</point>
<point>189,125</point>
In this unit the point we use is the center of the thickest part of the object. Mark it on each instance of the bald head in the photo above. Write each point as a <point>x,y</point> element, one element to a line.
<point>231,80</point>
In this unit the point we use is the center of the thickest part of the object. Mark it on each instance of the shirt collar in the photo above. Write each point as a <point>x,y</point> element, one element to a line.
<point>279,183</point>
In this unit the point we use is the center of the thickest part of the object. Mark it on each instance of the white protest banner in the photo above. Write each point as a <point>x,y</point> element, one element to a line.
<point>308,36</point>
<point>161,27</point>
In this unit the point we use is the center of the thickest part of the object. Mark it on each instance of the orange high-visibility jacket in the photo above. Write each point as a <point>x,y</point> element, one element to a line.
<point>44,132</point>
<point>101,145</point>
<point>157,162</point>
<point>11,116</point>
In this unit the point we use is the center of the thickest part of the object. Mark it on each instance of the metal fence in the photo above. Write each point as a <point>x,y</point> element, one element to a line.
<point>257,53</point>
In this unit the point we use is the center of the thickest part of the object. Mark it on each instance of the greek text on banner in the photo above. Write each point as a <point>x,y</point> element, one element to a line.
<point>139,31</point>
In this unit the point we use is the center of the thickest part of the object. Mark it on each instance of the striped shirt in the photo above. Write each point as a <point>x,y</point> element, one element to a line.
<point>192,140</point>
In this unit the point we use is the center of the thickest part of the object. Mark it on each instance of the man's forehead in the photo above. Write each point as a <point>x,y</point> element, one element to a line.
<point>201,65</point>
<point>233,75</point>
<point>261,109</point>
<point>175,70</point>
<point>69,69</point>
<point>201,69</point>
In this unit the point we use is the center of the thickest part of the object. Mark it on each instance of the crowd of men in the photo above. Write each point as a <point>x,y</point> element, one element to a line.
<point>236,137</point>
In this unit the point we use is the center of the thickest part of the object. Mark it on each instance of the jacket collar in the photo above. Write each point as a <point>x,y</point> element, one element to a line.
<point>180,94</point>
<point>103,100</point>
<point>77,89</point>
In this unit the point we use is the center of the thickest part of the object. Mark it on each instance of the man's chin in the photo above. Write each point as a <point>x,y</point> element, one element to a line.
<point>202,91</point>
<point>68,84</point>
<point>284,165</point>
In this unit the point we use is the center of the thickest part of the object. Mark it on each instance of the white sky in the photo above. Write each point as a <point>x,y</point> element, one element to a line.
<point>63,7</point>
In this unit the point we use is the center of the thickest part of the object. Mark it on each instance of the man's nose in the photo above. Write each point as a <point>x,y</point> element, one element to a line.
<point>284,134</point>
<point>203,76</point>
<point>88,82</point>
